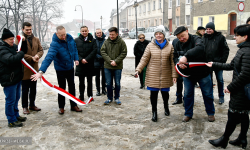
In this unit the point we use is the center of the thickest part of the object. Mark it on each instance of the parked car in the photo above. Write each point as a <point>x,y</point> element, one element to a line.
<point>45,46</point>
<point>149,33</point>
<point>132,33</point>
<point>123,32</point>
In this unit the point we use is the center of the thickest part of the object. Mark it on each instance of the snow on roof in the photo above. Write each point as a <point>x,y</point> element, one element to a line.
<point>126,4</point>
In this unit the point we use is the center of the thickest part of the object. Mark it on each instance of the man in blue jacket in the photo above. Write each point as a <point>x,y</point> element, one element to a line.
<point>64,53</point>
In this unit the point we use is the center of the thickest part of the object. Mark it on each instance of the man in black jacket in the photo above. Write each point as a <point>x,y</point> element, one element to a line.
<point>11,74</point>
<point>193,49</point>
<point>217,51</point>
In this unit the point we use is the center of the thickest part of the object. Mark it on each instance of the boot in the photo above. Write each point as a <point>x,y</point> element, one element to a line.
<point>154,117</point>
<point>220,142</point>
<point>98,93</point>
<point>239,142</point>
<point>167,112</point>
<point>221,100</point>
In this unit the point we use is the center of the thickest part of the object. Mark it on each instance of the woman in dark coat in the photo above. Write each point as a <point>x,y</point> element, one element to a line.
<point>139,49</point>
<point>86,46</point>
<point>239,104</point>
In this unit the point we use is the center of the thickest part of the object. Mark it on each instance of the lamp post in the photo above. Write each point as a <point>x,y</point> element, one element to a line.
<point>101,22</point>
<point>135,6</point>
<point>118,17</point>
<point>82,12</point>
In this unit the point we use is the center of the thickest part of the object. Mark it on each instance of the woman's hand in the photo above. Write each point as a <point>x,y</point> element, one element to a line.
<point>174,80</point>
<point>209,64</point>
<point>136,74</point>
<point>226,90</point>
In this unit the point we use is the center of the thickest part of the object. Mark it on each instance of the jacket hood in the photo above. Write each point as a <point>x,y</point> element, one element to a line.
<point>90,37</point>
<point>2,43</point>
<point>118,39</point>
<point>56,39</point>
<point>245,44</point>
<point>103,36</point>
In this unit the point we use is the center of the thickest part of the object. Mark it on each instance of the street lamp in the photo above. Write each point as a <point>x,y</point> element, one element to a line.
<point>82,12</point>
<point>101,22</point>
<point>135,6</point>
<point>118,17</point>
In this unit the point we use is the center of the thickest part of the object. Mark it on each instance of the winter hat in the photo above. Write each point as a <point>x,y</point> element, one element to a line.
<point>201,28</point>
<point>179,30</point>
<point>160,29</point>
<point>7,34</point>
<point>210,25</point>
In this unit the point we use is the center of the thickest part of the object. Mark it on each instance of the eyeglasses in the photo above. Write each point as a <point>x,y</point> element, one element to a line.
<point>141,38</point>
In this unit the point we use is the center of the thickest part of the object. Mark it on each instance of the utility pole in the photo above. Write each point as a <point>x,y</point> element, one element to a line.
<point>118,17</point>
<point>135,6</point>
<point>101,22</point>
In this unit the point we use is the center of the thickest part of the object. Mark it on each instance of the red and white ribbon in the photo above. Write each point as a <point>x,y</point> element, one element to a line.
<point>48,84</point>
<point>190,65</point>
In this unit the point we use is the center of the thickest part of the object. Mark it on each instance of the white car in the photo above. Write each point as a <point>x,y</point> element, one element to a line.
<point>149,33</point>
<point>132,33</point>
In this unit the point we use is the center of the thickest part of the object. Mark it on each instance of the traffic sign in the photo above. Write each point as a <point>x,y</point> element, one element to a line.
<point>241,6</point>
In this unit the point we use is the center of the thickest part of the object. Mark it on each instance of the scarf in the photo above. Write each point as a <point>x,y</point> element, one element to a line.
<point>162,44</point>
<point>29,38</point>
<point>239,45</point>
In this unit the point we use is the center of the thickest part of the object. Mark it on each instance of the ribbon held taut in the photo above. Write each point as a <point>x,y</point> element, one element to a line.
<point>48,84</point>
<point>183,72</point>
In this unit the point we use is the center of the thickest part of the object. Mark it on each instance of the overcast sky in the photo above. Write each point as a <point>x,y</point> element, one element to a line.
<point>92,9</point>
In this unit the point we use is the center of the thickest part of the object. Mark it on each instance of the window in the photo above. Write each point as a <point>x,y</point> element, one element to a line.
<point>159,4</point>
<point>160,22</point>
<point>149,6</point>
<point>177,2</point>
<point>188,20</point>
<point>187,1</point>
<point>200,21</point>
<point>144,8</point>
<point>156,22</point>
<point>200,0</point>
<point>129,13</point>
<point>153,5</point>
<point>169,3</point>
<point>211,19</point>
<point>140,23</point>
<point>177,21</point>
<point>149,23</point>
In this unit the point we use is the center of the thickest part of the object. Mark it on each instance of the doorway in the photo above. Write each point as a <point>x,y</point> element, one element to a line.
<point>233,23</point>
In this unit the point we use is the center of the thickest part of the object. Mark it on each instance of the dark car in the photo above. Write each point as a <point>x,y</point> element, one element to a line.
<point>123,32</point>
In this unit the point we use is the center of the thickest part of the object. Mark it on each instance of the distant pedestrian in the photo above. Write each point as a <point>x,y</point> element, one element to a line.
<point>11,74</point>
<point>239,104</point>
<point>161,72</point>
<point>99,63</point>
<point>86,46</point>
<point>34,53</point>
<point>217,50</point>
<point>63,52</point>
<point>114,51</point>
<point>200,31</point>
<point>139,49</point>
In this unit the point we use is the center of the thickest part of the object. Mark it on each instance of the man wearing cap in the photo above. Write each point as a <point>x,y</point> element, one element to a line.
<point>200,31</point>
<point>217,51</point>
<point>11,74</point>
<point>193,48</point>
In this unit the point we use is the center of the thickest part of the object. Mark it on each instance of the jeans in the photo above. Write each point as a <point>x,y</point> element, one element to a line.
<point>207,93</point>
<point>109,75</point>
<point>82,85</point>
<point>220,82</point>
<point>233,120</point>
<point>12,96</point>
<point>28,92</point>
<point>62,76</point>
<point>97,79</point>
<point>179,87</point>
<point>154,97</point>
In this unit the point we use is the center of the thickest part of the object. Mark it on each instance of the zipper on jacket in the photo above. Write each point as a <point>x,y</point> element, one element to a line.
<point>160,69</point>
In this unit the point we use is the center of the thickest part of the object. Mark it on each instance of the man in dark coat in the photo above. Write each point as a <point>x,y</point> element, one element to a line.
<point>99,62</point>
<point>11,74</point>
<point>139,49</point>
<point>64,53</point>
<point>217,51</point>
<point>86,46</point>
<point>193,49</point>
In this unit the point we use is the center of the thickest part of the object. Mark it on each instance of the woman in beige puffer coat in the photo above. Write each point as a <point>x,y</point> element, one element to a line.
<point>161,72</point>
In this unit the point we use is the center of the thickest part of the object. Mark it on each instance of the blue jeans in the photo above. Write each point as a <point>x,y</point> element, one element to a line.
<point>12,94</point>
<point>220,82</point>
<point>207,93</point>
<point>111,74</point>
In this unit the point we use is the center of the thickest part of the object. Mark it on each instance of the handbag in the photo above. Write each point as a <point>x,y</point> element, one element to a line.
<point>246,87</point>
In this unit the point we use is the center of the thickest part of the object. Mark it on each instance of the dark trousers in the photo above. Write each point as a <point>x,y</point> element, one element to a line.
<point>179,88</point>
<point>141,78</point>
<point>82,85</point>
<point>28,92</point>
<point>154,97</point>
<point>62,77</point>
<point>220,82</point>
<point>233,120</point>
<point>97,79</point>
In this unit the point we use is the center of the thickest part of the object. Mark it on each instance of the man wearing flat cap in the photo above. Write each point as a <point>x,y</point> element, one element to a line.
<point>193,49</point>
<point>217,51</point>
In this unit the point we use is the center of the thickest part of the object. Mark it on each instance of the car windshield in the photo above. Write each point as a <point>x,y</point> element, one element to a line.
<point>140,29</point>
